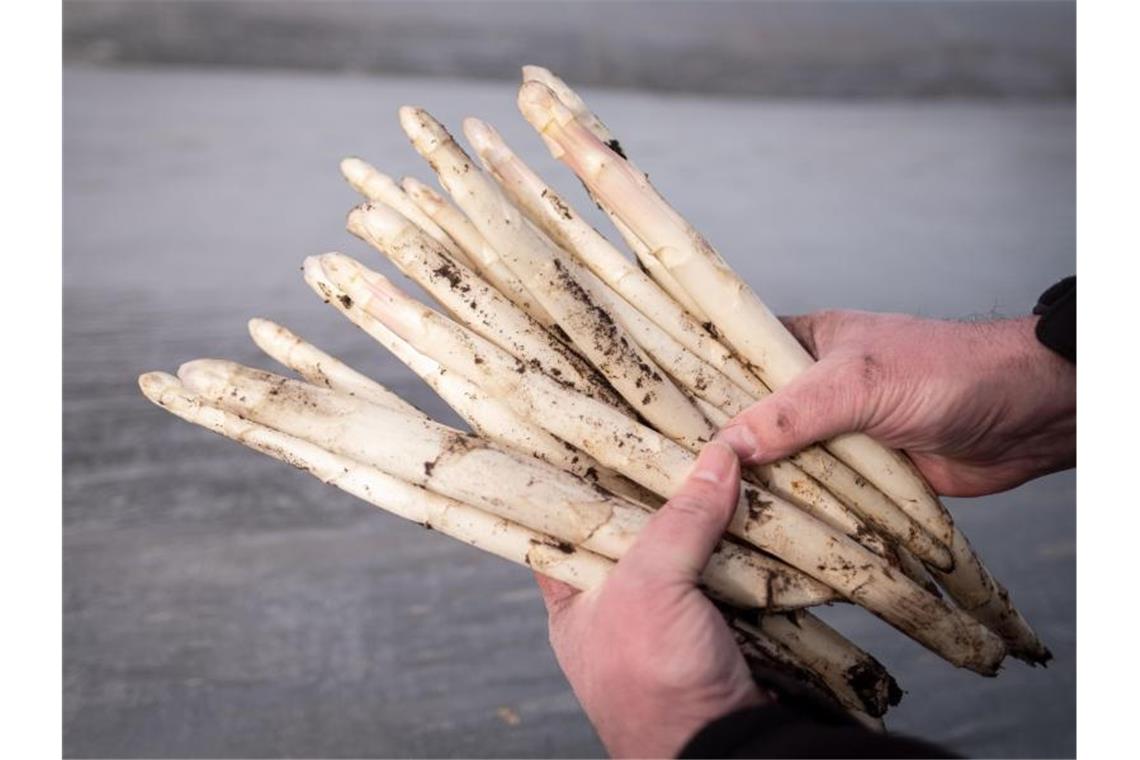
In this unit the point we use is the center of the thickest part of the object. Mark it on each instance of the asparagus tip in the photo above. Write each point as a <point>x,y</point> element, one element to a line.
<point>260,328</point>
<point>425,132</point>
<point>483,137</point>
<point>152,385</point>
<point>532,73</point>
<point>376,219</point>
<point>354,169</point>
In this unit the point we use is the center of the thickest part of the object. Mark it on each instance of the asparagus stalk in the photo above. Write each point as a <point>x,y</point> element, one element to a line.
<point>657,463</point>
<point>976,591</point>
<point>739,315</point>
<point>580,568</point>
<point>856,679</point>
<point>764,656</point>
<point>377,186</point>
<point>645,259</point>
<point>474,302</point>
<point>573,301</point>
<point>478,250</point>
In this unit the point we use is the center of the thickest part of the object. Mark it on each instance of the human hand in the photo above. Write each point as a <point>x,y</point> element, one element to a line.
<point>979,406</point>
<point>650,659</point>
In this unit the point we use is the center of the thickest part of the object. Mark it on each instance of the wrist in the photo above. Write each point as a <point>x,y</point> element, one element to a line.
<point>1036,392</point>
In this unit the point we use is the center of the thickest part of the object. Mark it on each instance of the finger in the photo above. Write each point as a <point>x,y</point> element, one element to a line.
<point>555,594</point>
<point>676,543</point>
<point>819,404</point>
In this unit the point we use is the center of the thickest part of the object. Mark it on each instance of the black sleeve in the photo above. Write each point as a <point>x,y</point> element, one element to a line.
<point>1057,328</point>
<point>800,723</point>
<point>784,731</point>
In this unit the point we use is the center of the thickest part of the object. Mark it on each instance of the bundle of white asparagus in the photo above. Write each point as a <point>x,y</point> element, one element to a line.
<point>590,381</point>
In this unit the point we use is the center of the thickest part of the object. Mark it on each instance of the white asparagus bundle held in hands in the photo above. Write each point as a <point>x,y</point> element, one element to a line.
<point>591,384</point>
<point>657,463</point>
<point>771,350</point>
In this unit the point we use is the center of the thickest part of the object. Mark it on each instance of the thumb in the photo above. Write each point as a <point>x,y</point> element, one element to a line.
<point>819,404</point>
<point>676,543</point>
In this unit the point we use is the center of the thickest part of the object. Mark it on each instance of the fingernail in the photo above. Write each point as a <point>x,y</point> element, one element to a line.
<point>742,441</point>
<point>715,463</point>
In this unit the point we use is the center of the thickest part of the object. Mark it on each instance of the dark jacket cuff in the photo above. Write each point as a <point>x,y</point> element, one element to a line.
<point>1057,328</point>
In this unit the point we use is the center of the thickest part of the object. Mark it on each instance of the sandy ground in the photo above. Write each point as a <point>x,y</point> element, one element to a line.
<point>220,604</point>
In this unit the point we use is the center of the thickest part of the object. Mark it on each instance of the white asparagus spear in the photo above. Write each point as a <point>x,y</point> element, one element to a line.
<point>580,568</point>
<point>464,467</point>
<point>472,300</point>
<point>546,273</point>
<point>975,590</point>
<point>645,259</point>
<point>319,368</point>
<point>657,463</point>
<point>377,186</point>
<point>732,391</point>
<point>487,260</point>
<point>739,315</point>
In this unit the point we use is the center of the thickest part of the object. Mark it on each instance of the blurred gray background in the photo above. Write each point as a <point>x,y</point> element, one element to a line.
<point>901,156</point>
